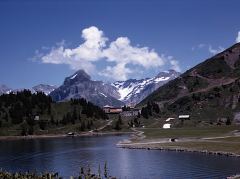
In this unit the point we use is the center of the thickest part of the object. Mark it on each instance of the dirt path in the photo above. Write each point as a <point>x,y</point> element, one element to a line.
<point>102,127</point>
<point>202,90</point>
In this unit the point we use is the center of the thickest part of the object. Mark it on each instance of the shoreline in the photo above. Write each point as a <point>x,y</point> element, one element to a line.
<point>177,149</point>
<point>4,138</point>
<point>126,144</point>
<point>140,145</point>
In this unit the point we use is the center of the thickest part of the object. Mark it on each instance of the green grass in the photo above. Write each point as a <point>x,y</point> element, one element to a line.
<point>228,139</point>
<point>10,131</point>
<point>200,146</point>
<point>154,133</point>
<point>230,143</point>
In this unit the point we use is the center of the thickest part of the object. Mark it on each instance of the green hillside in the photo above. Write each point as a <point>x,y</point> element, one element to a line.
<point>25,113</point>
<point>208,91</point>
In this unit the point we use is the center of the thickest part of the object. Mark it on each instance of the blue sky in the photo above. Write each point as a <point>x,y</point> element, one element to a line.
<point>45,41</point>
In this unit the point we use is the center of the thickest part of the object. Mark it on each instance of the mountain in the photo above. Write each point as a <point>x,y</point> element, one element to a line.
<point>132,91</point>
<point>208,91</point>
<point>46,89</point>
<point>80,85</point>
<point>4,89</point>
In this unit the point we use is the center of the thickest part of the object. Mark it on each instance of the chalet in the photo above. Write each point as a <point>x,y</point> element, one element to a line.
<point>184,117</point>
<point>131,112</point>
<point>106,108</point>
<point>112,110</point>
<point>36,118</point>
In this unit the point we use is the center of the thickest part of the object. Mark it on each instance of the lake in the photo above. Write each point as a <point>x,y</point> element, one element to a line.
<point>66,155</point>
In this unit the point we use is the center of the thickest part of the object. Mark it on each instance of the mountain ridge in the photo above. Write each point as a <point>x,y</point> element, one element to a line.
<point>133,91</point>
<point>45,88</point>
<point>208,85</point>
<point>80,85</point>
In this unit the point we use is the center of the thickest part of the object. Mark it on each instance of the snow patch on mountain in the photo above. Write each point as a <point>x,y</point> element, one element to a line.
<point>133,91</point>
<point>74,76</point>
<point>161,79</point>
<point>46,89</point>
<point>124,91</point>
<point>5,89</point>
<point>103,95</point>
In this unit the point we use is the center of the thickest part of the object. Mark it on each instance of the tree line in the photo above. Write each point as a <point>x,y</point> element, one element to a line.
<point>148,110</point>
<point>23,107</point>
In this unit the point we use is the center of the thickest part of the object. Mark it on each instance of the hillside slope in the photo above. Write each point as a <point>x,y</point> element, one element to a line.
<point>209,90</point>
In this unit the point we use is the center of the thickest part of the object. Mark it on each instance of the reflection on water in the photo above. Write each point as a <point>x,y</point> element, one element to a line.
<point>66,155</point>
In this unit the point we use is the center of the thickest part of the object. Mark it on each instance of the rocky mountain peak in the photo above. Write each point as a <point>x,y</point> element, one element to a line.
<point>80,85</point>
<point>77,77</point>
<point>168,73</point>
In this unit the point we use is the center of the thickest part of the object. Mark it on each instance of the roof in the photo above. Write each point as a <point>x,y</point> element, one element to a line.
<point>107,106</point>
<point>183,116</point>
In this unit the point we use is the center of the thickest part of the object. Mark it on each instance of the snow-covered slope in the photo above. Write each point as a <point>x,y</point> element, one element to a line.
<point>133,91</point>
<point>47,89</point>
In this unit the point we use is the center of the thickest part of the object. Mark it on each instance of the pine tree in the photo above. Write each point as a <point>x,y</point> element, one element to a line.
<point>52,120</point>
<point>89,125</point>
<point>120,119</point>
<point>30,130</point>
<point>105,170</point>
<point>82,126</point>
<point>145,112</point>
<point>99,171</point>
<point>79,117</point>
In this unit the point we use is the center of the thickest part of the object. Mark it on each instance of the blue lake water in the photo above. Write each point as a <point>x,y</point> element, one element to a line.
<point>66,155</point>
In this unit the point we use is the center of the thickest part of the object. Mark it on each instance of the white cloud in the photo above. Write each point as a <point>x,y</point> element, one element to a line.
<point>215,51</point>
<point>117,72</point>
<point>118,53</point>
<point>121,51</point>
<point>199,46</point>
<point>238,37</point>
<point>82,56</point>
<point>175,65</point>
<point>210,49</point>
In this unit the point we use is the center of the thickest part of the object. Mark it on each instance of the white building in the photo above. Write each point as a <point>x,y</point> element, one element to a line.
<point>184,117</point>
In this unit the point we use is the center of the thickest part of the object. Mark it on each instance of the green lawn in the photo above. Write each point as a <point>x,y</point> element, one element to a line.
<point>201,146</point>
<point>153,133</point>
<point>230,143</point>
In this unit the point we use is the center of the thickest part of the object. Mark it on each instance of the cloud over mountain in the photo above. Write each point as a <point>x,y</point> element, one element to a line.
<point>117,55</point>
<point>215,51</point>
<point>175,65</point>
